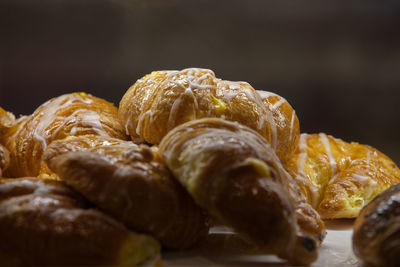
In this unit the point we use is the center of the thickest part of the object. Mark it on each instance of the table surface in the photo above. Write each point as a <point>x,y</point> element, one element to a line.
<point>222,249</point>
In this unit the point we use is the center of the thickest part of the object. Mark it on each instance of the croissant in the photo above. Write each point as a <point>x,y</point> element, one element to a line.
<point>4,159</point>
<point>60,117</point>
<point>43,222</point>
<point>339,178</point>
<point>158,102</point>
<point>233,173</point>
<point>130,182</point>
<point>376,236</point>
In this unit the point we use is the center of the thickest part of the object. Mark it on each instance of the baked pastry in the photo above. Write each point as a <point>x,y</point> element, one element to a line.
<point>285,126</point>
<point>339,178</point>
<point>7,120</point>
<point>44,222</point>
<point>130,182</point>
<point>63,116</point>
<point>4,159</point>
<point>158,102</point>
<point>71,144</point>
<point>233,173</point>
<point>376,237</point>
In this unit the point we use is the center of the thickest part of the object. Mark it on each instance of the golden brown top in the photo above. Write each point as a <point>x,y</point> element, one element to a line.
<point>67,115</point>
<point>339,178</point>
<point>158,102</point>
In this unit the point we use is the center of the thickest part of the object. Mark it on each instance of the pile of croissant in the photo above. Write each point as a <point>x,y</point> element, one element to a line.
<point>90,184</point>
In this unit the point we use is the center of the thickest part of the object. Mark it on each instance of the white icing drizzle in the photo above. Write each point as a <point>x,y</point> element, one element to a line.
<point>292,125</point>
<point>325,141</point>
<point>302,176</point>
<point>48,116</point>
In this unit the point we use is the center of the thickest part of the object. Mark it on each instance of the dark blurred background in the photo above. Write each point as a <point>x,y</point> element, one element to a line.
<point>337,62</point>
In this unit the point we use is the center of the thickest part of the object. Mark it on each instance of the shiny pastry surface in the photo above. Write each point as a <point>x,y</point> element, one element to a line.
<point>233,173</point>
<point>339,178</point>
<point>129,182</point>
<point>67,115</point>
<point>160,101</point>
<point>376,238</point>
<point>45,223</point>
<point>4,159</point>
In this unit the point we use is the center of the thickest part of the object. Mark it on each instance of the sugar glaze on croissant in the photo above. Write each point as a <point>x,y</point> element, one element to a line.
<point>160,101</point>
<point>339,178</point>
<point>232,172</point>
<point>60,117</point>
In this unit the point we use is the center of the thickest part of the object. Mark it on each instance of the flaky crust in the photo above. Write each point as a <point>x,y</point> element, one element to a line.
<point>339,178</point>
<point>43,222</point>
<point>162,100</point>
<point>4,159</point>
<point>376,235</point>
<point>70,114</point>
<point>232,172</point>
<point>129,182</point>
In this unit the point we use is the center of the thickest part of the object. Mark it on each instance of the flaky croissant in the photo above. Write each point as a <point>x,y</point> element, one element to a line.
<point>130,182</point>
<point>339,178</point>
<point>44,222</point>
<point>158,102</point>
<point>376,237</point>
<point>232,172</point>
<point>4,159</point>
<point>67,115</point>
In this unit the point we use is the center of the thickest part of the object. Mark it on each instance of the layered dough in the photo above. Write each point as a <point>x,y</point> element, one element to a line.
<point>67,115</point>
<point>233,173</point>
<point>4,159</point>
<point>376,235</point>
<point>45,223</point>
<point>339,178</point>
<point>162,100</point>
<point>131,183</point>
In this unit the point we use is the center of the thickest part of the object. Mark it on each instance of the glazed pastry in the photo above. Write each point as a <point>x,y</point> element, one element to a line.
<point>130,182</point>
<point>4,159</point>
<point>71,144</point>
<point>376,237</point>
<point>232,172</point>
<point>67,115</point>
<point>160,101</point>
<point>7,120</point>
<point>284,118</point>
<point>44,222</point>
<point>339,178</point>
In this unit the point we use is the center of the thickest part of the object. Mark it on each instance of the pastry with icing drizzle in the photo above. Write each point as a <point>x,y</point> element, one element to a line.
<point>132,184</point>
<point>67,115</point>
<point>339,178</point>
<point>45,223</point>
<point>231,171</point>
<point>376,237</point>
<point>162,100</point>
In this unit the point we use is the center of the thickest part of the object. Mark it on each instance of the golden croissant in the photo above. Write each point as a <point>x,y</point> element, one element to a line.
<point>233,173</point>
<point>376,238</point>
<point>129,182</point>
<point>45,223</point>
<point>339,178</point>
<point>63,116</point>
<point>160,101</point>
<point>4,159</point>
